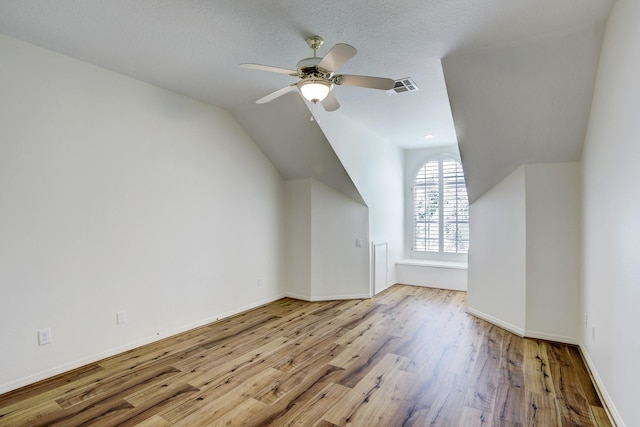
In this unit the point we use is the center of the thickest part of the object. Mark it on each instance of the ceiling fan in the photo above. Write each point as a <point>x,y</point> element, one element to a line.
<point>317,75</point>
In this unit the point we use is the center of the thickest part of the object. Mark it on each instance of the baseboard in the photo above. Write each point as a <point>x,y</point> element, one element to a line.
<point>609,406</point>
<point>340,297</point>
<point>327,297</point>
<point>58,370</point>
<point>494,320</point>
<point>297,296</point>
<point>376,292</point>
<point>439,286</point>
<point>551,337</point>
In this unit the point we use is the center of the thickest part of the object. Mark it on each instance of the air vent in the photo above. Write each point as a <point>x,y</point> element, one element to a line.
<point>405,85</point>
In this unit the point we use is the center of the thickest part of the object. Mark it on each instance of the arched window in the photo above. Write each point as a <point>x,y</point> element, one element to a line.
<point>440,208</point>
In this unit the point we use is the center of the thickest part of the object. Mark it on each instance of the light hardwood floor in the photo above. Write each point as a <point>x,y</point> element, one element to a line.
<point>410,356</point>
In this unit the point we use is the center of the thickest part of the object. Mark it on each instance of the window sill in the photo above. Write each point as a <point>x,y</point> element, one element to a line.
<point>433,263</point>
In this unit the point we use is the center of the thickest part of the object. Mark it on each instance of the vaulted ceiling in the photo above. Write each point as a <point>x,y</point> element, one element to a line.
<point>501,58</point>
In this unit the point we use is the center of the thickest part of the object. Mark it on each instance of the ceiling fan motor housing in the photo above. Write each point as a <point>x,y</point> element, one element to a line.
<point>308,68</point>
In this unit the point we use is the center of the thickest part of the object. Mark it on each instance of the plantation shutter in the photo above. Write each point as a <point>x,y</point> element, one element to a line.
<point>426,208</point>
<point>440,208</point>
<point>455,208</point>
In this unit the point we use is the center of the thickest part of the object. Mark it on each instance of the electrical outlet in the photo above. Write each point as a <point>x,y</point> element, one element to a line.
<point>259,282</point>
<point>44,336</point>
<point>358,242</point>
<point>121,317</point>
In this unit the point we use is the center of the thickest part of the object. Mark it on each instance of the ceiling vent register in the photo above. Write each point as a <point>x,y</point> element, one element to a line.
<point>405,85</point>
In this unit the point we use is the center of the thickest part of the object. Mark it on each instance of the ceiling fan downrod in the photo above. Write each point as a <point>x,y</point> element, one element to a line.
<point>314,43</point>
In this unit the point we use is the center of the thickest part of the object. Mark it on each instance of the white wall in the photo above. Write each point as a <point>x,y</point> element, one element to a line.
<point>339,268</point>
<point>523,259</point>
<point>118,195</point>
<point>376,168</point>
<point>440,274</point>
<point>323,261</point>
<point>611,217</point>
<point>497,251</point>
<point>553,242</point>
<point>298,247</point>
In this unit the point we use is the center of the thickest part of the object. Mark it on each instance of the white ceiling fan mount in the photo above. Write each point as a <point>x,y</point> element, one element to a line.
<point>317,76</point>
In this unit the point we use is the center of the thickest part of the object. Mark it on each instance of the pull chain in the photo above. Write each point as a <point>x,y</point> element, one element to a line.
<point>313,113</point>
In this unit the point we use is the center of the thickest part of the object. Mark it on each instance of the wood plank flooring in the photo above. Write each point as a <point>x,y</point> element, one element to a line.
<point>411,356</point>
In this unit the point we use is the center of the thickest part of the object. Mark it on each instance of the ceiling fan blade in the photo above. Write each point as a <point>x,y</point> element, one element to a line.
<point>338,55</point>
<point>269,68</point>
<point>330,103</point>
<point>276,94</point>
<point>381,83</point>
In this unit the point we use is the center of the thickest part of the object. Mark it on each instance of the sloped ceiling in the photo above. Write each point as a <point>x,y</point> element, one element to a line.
<point>194,47</point>
<point>525,102</point>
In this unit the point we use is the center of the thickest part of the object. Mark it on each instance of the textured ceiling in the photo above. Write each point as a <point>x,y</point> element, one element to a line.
<point>194,47</point>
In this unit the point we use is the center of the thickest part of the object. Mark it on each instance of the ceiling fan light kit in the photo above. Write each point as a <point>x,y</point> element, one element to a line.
<point>317,75</point>
<point>314,90</point>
